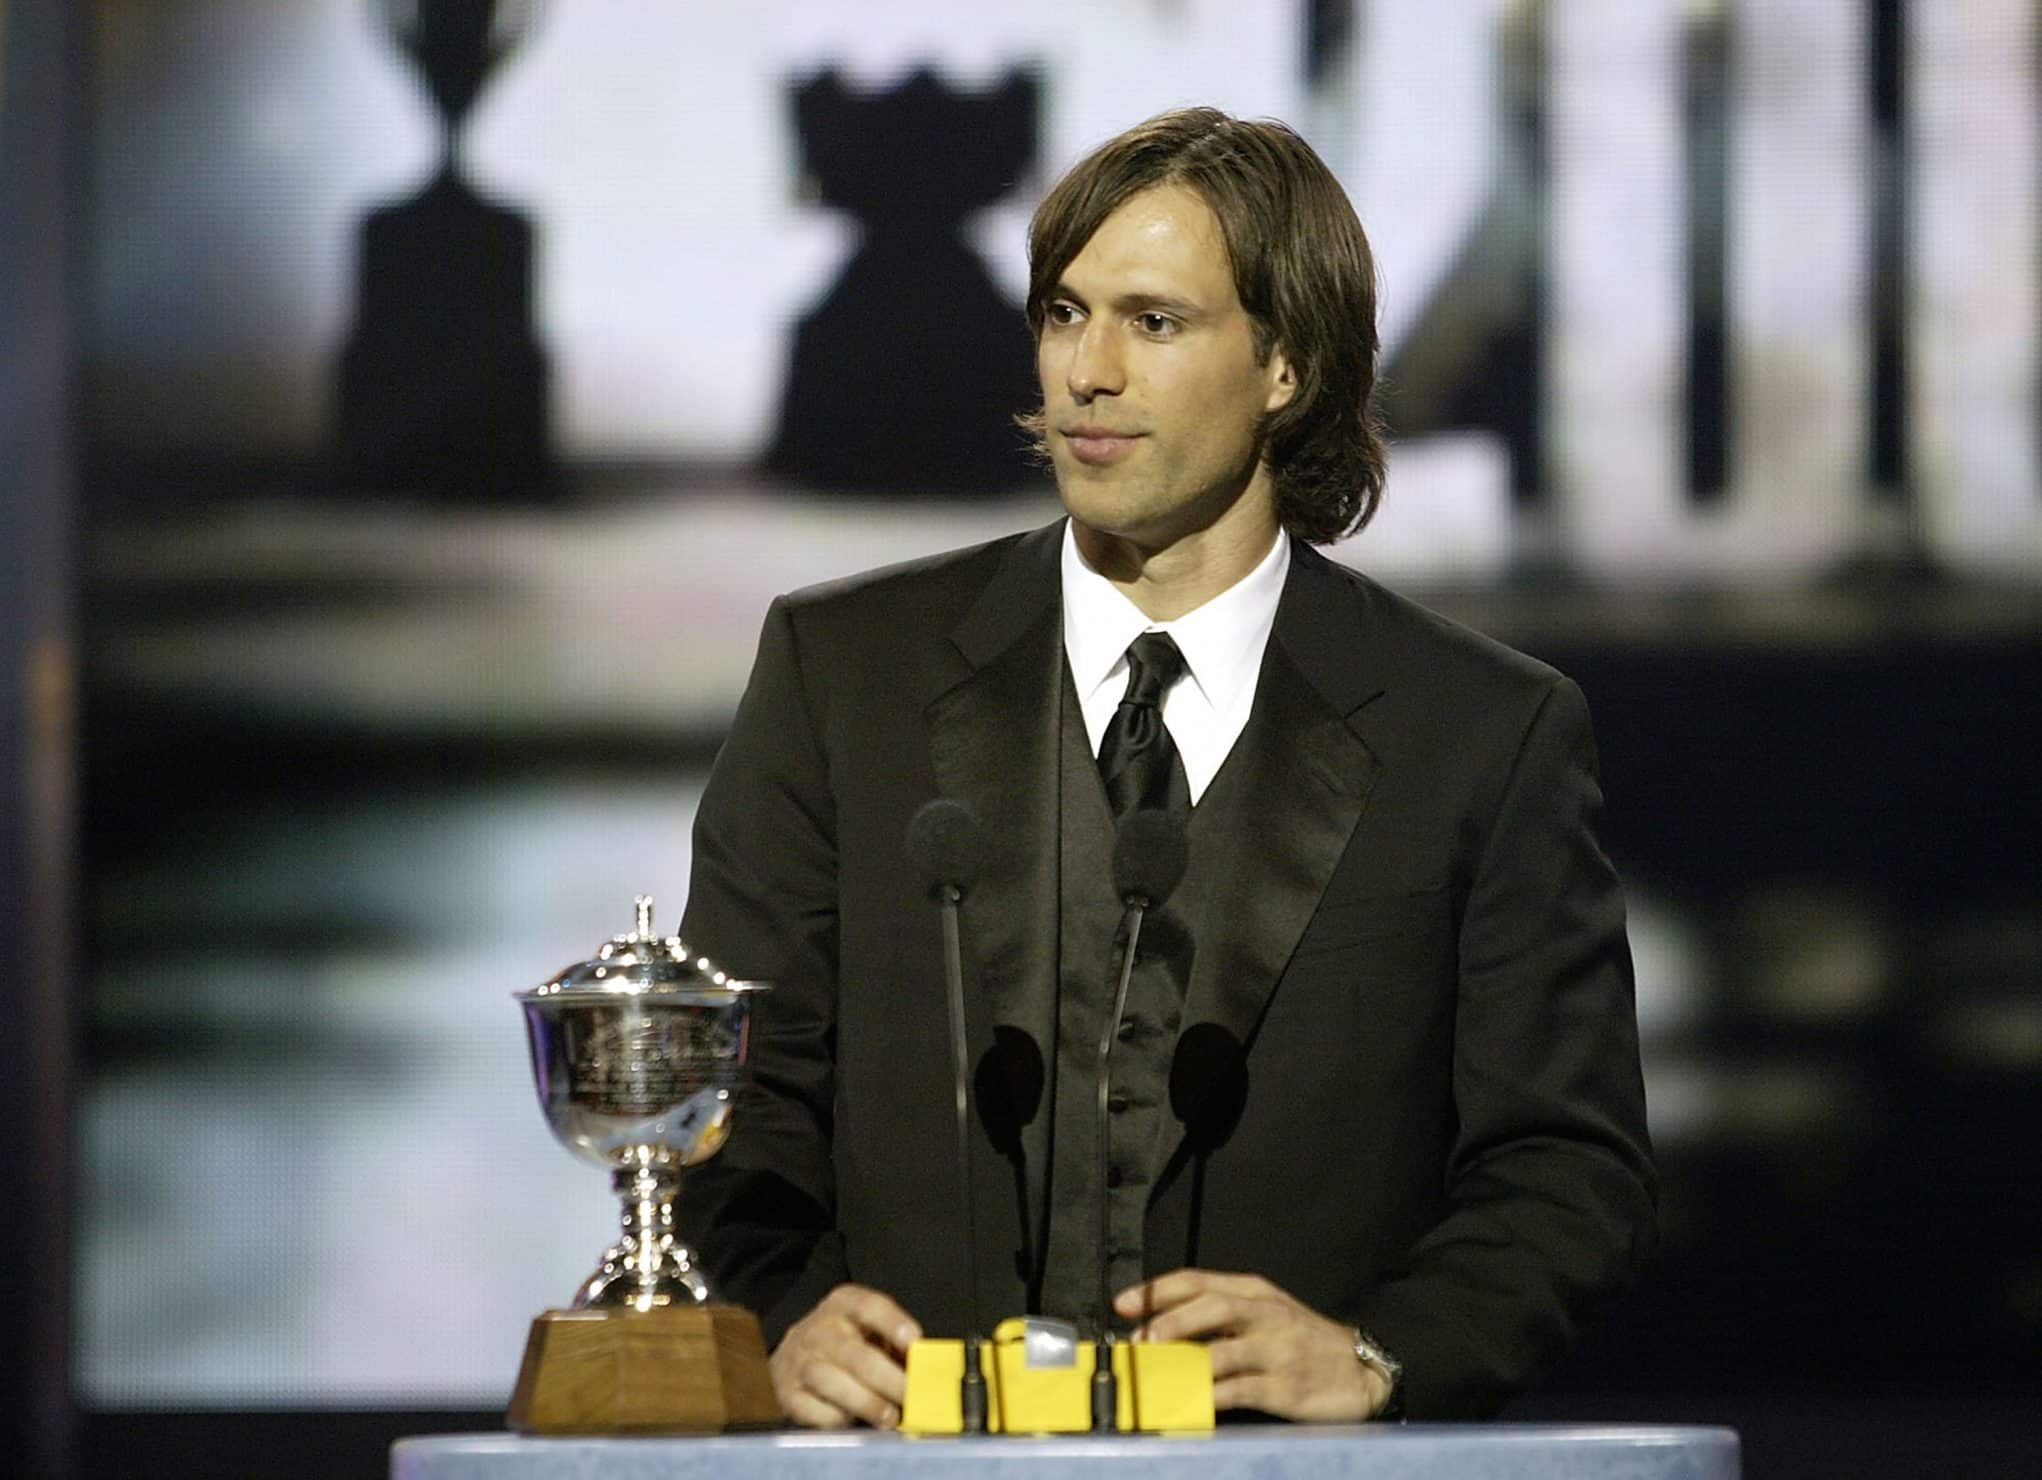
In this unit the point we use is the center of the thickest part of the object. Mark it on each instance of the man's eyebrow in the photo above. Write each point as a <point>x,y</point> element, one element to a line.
<point>1133,303</point>
<point>1182,308</point>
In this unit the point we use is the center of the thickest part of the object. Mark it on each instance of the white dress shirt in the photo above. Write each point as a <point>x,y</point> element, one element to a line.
<point>1222,642</point>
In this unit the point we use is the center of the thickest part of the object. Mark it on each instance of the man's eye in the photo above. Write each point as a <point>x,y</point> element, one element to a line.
<point>1157,324</point>
<point>1061,313</point>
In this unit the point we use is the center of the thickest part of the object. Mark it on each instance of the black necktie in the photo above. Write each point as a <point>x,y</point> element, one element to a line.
<point>1139,760</point>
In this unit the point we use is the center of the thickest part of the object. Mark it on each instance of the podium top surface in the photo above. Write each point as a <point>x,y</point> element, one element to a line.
<point>1276,1452</point>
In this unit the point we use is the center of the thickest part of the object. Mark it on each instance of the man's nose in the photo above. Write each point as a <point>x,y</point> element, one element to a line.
<point>1096,368</point>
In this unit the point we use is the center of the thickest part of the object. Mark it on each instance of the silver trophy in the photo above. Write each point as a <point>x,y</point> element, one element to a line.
<point>637,1053</point>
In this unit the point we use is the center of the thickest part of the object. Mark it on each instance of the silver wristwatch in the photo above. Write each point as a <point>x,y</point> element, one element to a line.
<point>1371,1353</point>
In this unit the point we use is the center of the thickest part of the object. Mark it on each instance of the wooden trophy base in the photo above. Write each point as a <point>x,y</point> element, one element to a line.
<point>695,1369</point>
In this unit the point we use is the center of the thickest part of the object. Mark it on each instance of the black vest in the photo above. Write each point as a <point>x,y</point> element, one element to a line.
<point>1141,1126</point>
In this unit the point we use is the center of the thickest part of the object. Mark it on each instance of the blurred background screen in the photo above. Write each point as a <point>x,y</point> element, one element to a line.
<point>460,381</point>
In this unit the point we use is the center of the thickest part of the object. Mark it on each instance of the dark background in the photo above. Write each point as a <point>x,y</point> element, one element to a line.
<point>357,674</point>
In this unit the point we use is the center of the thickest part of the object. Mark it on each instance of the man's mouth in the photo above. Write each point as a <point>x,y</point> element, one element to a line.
<point>1096,445</point>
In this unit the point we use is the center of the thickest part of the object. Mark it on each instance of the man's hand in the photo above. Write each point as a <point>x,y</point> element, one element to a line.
<point>1269,1351</point>
<point>843,1362</point>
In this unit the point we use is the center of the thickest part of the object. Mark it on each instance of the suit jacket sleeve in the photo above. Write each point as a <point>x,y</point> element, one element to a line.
<point>762,903</point>
<point>1549,1185</point>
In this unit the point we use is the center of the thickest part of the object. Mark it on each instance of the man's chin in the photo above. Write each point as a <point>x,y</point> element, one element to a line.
<point>1109,535</point>
<point>1101,507</point>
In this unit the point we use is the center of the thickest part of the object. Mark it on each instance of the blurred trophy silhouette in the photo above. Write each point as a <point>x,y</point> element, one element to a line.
<point>443,384</point>
<point>907,376</point>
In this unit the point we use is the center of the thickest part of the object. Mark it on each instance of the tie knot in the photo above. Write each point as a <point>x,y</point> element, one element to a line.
<point>1153,665</point>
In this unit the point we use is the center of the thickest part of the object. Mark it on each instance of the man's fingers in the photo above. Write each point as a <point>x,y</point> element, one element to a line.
<point>1207,1314</point>
<point>837,1377</point>
<point>872,1367</point>
<point>1258,1390</point>
<point>1277,1372</point>
<point>1238,1354</point>
<point>1180,1285</point>
<point>845,1390</point>
<point>811,1412</point>
<point>1160,1293</point>
<point>1269,1351</point>
<point>876,1316</point>
<point>841,1362</point>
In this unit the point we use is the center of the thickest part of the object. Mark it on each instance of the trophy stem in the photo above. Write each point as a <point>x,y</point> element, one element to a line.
<point>648,1266</point>
<point>647,1193</point>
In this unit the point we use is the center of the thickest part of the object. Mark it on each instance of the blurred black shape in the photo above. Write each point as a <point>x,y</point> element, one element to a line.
<point>443,384</point>
<point>906,377</point>
<point>1208,1092</point>
<point>1008,1087</point>
<point>1475,358</point>
<point>1330,27</point>
<point>1208,1085</point>
<point>1009,1081</point>
<point>1707,90</point>
<point>1893,231</point>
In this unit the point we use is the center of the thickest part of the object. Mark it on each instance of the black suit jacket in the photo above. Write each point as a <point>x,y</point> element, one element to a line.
<point>1406,1087</point>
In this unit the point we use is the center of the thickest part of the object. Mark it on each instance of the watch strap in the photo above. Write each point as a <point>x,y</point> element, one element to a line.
<point>1372,1353</point>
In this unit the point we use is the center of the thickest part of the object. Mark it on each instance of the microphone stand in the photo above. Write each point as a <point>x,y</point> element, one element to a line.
<point>1105,1386</point>
<point>972,1391</point>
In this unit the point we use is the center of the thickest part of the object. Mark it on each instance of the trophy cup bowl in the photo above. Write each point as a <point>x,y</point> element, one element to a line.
<point>457,44</point>
<point>636,1056</point>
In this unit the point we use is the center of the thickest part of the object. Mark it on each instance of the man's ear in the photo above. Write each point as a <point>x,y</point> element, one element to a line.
<point>1283,381</point>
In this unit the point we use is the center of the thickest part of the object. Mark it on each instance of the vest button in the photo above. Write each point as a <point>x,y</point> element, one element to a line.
<point>1118,1102</point>
<point>1113,1176</point>
<point>1128,1027</point>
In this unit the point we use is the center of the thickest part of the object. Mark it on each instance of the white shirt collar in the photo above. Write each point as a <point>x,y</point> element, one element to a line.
<point>1222,641</point>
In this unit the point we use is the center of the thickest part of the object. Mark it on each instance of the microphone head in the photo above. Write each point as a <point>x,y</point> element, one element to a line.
<point>1149,856</point>
<point>947,845</point>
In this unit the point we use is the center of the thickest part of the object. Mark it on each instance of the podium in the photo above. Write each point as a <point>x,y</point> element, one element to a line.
<point>1245,1452</point>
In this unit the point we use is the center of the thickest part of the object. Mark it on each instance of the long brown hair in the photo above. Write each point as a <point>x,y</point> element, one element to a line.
<point>1303,271</point>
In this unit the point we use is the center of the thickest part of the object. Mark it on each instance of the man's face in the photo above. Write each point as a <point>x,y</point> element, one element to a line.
<point>1150,386</point>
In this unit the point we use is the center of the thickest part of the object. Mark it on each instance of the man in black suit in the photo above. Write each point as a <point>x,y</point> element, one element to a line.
<point>1379,1131</point>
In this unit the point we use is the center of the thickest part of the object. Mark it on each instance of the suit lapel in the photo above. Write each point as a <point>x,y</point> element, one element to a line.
<point>1305,778</point>
<point>993,722</point>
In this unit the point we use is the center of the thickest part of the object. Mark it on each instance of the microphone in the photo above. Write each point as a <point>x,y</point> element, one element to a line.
<point>1149,858</point>
<point>947,846</point>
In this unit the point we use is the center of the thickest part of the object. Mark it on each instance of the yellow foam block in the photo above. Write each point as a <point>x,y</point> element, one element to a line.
<point>1163,1387</point>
